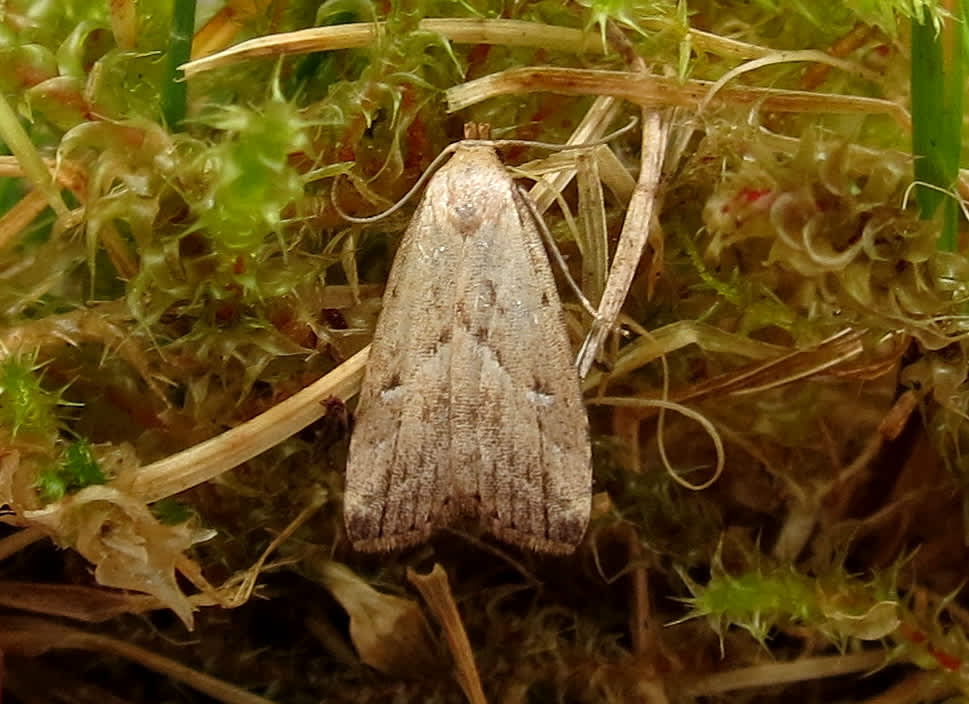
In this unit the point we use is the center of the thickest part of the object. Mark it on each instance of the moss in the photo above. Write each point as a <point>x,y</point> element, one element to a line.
<point>78,468</point>
<point>25,405</point>
<point>181,283</point>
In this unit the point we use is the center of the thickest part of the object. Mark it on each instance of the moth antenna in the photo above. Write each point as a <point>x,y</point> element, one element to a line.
<point>550,146</point>
<point>469,130</point>
<point>559,259</point>
<point>428,172</point>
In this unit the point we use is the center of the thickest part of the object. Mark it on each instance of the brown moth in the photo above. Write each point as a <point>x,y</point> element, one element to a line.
<point>471,404</point>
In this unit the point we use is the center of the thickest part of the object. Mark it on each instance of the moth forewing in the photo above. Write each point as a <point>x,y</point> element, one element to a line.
<point>470,403</point>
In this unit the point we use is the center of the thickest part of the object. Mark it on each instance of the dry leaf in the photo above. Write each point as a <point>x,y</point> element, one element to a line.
<point>129,547</point>
<point>389,632</point>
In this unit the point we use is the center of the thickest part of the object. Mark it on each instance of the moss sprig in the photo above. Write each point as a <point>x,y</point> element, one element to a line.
<point>26,405</point>
<point>78,468</point>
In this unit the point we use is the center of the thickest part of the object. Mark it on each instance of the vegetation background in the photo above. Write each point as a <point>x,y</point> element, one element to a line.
<point>779,421</point>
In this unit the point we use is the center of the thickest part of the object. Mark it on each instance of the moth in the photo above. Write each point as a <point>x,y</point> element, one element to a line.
<point>470,405</point>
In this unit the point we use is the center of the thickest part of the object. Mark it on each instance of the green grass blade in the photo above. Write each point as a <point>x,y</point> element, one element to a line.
<point>174,93</point>
<point>937,83</point>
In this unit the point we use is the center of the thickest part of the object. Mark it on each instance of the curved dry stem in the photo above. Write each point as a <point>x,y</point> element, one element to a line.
<point>659,91</point>
<point>31,636</point>
<point>361,34</point>
<point>781,57</point>
<point>211,458</point>
<point>801,670</point>
<point>16,542</point>
<point>704,422</point>
<point>252,574</point>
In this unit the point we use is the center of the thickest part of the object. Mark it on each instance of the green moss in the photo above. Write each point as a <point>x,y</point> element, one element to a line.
<point>25,405</point>
<point>253,182</point>
<point>77,469</point>
<point>761,600</point>
<point>172,512</point>
<point>214,278</point>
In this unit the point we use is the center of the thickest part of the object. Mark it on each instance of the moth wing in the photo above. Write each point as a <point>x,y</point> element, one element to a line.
<point>519,430</point>
<point>470,402</point>
<point>397,483</point>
